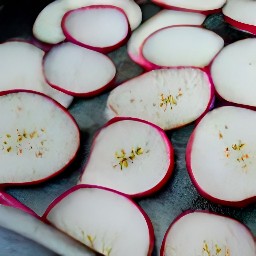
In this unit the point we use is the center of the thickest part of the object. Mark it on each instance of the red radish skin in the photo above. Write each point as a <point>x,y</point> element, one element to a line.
<point>169,148</point>
<point>73,36</point>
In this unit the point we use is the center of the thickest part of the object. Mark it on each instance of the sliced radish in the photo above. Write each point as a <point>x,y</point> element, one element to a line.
<point>47,26</point>
<point>124,159</point>
<point>234,72</point>
<point>106,221</point>
<point>241,14</point>
<point>162,19</point>
<point>207,234</point>
<point>206,7</point>
<point>181,46</point>
<point>35,144</point>
<point>221,156</point>
<point>21,68</point>
<point>108,25</point>
<point>78,71</point>
<point>170,98</point>
<point>31,227</point>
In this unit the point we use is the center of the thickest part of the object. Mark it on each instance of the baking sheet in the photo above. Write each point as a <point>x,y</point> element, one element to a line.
<point>178,195</point>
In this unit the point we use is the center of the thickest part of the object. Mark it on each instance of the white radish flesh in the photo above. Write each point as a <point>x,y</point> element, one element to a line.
<point>78,71</point>
<point>38,138</point>
<point>181,46</point>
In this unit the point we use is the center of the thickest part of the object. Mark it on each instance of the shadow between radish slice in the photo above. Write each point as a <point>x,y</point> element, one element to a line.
<point>220,156</point>
<point>78,71</point>
<point>103,219</point>
<point>35,144</point>
<point>169,98</point>
<point>137,164</point>
<point>202,233</point>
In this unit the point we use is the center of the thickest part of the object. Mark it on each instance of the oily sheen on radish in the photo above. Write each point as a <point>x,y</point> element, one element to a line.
<point>78,71</point>
<point>107,36</point>
<point>106,221</point>
<point>181,46</point>
<point>220,156</point>
<point>205,234</point>
<point>35,144</point>
<point>137,164</point>
<point>169,98</point>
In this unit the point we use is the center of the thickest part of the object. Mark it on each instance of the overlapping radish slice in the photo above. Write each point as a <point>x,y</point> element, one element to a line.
<point>136,164</point>
<point>221,154</point>
<point>211,6</point>
<point>107,36</point>
<point>39,138</point>
<point>203,233</point>
<point>241,14</point>
<point>21,68</point>
<point>33,228</point>
<point>78,71</point>
<point>169,98</point>
<point>106,221</point>
<point>162,19</point>
<point>234,72</point>
<point>181,46</point>
<point>47,26</point>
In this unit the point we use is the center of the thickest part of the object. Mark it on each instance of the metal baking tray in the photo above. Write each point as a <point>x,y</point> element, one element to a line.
<point>178,195</point>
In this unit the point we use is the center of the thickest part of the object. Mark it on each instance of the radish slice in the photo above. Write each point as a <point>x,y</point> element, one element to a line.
<point>123,161</point>
<point>78,71</point>
<point>79,25</point>
<point>162,19</point>
<point>234,72</point>
<point>106,221</point>
<point>31,227</point>
<point>207,7</point>
<point>47,26</point>
<point>34,145</point>
<point>241,14</point>
<point>21,68</point>
<point>221,156</point>
<point>206,234</point>
<point>181,46</point>
<point>170,98</point>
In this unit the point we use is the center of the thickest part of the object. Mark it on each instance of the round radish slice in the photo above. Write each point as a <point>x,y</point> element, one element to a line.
<point>106,221</point>
<point>162,19</point>
<point>211,6</point>
<point>78,71</point>
<point>123,161</point>
<point>181,46</point>
<point>47,26</point>
<point>35,144</point>
<point>206,234</point>
<point>169,98</point>
<point>241,14</point>
<point>221,156</point>
<point>107,36</point>
<point>234,72</point>
<point>21,68</point>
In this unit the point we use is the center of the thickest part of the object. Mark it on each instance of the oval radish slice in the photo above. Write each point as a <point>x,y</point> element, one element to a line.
<point>106,221</point>
<point>181,46</point>
<point>78,71</point>
<point>162,19</point>
<point>234,72</point>
<point>79,25</point>
<point>220,156</point>
<point>170,98</point>
<point>241,14</point>
<point>47,26</point>
<point>21,68</point>
<point>123,161</point>
<point>206,234</point>
<point>34,143</point>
